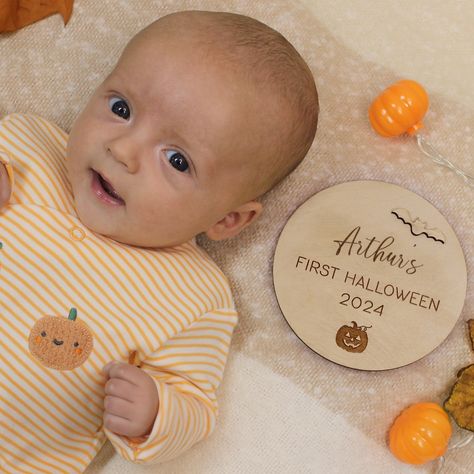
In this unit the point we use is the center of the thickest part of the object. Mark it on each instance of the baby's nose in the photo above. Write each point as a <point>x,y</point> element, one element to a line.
<point>125,151</point>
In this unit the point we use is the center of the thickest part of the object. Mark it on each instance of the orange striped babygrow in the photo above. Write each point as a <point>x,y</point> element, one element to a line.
<point>73,300</point>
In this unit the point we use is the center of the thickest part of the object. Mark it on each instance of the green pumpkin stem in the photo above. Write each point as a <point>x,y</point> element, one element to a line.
<point>72,314</point>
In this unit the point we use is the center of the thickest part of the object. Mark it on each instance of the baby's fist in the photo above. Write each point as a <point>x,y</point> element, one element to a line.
<point>131,402</point>
<point>5,188</point>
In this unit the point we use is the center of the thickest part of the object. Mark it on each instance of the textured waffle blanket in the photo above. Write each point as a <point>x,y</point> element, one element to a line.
<point>283,408</point>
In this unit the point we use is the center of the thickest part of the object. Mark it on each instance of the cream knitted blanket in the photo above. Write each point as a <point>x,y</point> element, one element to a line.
<point>283,408</point>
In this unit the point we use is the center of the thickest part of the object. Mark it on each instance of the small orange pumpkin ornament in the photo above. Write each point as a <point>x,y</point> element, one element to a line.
<point>420,433</point>
<point>399,109</point>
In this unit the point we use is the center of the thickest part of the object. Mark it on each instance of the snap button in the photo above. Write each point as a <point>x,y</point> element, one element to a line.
<point>77,233</point>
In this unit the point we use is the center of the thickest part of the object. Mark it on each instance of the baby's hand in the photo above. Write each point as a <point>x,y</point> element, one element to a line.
<point>131,402</point>
<point>5,188</point>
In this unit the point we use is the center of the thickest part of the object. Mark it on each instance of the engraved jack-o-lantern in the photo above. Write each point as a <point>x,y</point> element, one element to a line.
<point>61,343</point>
<point>352,338</point>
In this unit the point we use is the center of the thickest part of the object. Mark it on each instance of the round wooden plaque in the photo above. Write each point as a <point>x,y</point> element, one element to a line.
<point>369,275</point>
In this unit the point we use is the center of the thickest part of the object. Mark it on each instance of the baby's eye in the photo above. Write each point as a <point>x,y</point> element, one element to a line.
<point>119,107</point>
<point>177,160</point>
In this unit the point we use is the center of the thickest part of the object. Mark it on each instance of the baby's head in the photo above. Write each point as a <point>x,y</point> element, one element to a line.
<point>203,114</point>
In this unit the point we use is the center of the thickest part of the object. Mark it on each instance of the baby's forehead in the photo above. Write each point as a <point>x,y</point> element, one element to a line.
<point>152,57</point>
<point>154,51</point>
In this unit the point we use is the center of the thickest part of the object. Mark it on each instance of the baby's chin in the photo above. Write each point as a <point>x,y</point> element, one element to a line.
<point>108,229</point>
<point>98,223</point>
<point>115,225</point>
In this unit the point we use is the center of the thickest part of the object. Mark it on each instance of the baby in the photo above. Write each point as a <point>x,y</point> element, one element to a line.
<point>203,114</point>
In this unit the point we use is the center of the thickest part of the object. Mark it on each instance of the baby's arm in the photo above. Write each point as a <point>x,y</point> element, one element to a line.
<point>6,179</point>
<point>186,370</point>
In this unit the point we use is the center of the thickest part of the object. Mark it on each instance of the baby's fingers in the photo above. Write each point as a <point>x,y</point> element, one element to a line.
<point>121,389</point>
<point>5,188</point>
<point>118,407</point>
<point>120,370</point>
<point>121,426</point>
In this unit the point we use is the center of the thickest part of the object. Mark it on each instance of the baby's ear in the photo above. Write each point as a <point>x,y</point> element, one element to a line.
<point>235,221</point>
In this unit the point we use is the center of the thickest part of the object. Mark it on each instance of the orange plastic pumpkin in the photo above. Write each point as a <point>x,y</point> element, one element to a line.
<point>399,109</point>
<point>420,433</point>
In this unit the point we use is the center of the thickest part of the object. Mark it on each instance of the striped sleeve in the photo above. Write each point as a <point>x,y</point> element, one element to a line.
<point>187,371</point>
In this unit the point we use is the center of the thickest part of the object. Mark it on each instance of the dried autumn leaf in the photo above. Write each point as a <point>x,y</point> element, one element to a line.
<point>470,323</point>
<point>460,403</point>
<point>15,14</point>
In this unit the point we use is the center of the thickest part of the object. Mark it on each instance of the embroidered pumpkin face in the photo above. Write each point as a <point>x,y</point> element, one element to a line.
<point>60,343</point>
<point>352,339</point>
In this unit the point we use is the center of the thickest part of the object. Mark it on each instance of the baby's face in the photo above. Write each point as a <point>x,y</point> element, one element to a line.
<point>171,134</point>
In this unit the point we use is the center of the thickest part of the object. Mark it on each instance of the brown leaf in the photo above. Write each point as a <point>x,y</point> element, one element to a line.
<point>15,14</point>
<point>460,403</point>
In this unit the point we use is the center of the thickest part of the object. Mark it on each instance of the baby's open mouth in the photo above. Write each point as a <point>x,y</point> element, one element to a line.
<point>104,186</point>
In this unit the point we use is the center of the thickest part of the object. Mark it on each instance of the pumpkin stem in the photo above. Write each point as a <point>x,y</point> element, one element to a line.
<point>355,326</point>
<point>414,129</point>
<point>72,314</point>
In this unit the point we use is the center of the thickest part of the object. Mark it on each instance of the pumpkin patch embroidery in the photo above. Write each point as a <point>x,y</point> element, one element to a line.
<point>352,338</point>
<point>60,343</point>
